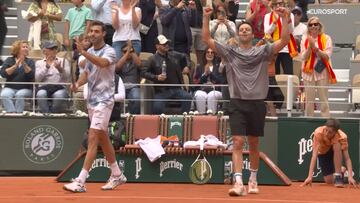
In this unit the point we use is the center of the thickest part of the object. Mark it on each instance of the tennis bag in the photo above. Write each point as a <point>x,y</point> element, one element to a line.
<point>116,132</point>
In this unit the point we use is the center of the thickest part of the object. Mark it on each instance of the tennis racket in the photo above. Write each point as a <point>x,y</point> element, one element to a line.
<point>200,170</point>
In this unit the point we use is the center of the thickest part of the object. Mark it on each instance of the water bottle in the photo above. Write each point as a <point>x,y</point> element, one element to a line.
<point>163,68</point>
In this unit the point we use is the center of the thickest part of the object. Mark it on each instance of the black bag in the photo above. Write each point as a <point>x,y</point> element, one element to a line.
<point>116,132</point>
<point>51,89</point>
<point>320,66</point>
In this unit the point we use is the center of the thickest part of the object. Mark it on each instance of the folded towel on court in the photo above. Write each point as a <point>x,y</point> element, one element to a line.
<point>151,147</point>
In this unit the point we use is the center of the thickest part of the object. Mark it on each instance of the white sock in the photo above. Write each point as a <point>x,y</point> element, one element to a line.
<point>238,178</point>
<point>253,175</point>
<point>83,175</point>
<point>115,170</point>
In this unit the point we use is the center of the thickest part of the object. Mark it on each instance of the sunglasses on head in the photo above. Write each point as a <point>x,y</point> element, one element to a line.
<point>313,24</point>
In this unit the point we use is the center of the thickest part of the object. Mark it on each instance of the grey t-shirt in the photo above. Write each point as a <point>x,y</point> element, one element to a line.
<point>246,70</point>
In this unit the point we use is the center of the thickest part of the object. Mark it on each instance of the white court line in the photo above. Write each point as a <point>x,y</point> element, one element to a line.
<point>162,198</point>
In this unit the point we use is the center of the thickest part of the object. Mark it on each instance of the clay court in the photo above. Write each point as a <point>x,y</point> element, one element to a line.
<point>46,189</point>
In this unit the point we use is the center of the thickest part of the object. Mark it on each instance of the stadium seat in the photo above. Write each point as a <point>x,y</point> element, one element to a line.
<point>174,125</point>
<point>206,125</point>
<point>143,126</point>
<point>357,45</point>
<point>356,89</point>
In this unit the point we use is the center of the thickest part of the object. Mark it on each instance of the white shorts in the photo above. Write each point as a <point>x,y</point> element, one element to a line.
<point>99,116</point>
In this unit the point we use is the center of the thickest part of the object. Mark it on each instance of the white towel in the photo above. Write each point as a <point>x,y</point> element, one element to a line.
<point>151,147</point>
<point>210,140</point>
<point>35,34</point>
<point>26,15</point>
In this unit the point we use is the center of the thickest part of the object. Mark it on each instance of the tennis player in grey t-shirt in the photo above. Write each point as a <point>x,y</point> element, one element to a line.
<point>247,74</point>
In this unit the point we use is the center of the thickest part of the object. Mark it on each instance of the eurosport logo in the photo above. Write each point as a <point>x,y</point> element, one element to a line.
<point>43,144</point>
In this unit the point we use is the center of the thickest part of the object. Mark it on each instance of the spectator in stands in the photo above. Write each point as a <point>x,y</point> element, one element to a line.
<point>233,9</point>
<point>198,43</point>
<point>3,28</point>
<point>255,13</point>
<point>101,10</point>
<point>273,26</point>
<point>300,28</point>
<point>330,146</point>
<point>77,22</point>
<point>303,4</point>
<point>17,68</point>
<point>52,69</point>
<point>247,74</point>
<point>208,74</point>
<point>128,68</point>
<point>174,65</point>
<point>47,11</point>
<point>222,29</point>
<point>150,18</point>
<point>79,103</point>
<point>126,21</point>
<point>176,21</point>
<point>316,51</point>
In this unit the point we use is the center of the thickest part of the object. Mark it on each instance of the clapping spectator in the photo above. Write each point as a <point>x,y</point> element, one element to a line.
<point>47,12</point>
<point>222,29</point>
<point>273,27</point>
<point>209,75</point>
<point>126,22</point>
<point>316,50</point>
<point>255,14</point>
<point>17,68</point>
<point>102,12</point>
<point>51,69</point>
<point>128,68</point>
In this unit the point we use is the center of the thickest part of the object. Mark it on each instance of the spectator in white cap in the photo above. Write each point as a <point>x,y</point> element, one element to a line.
<point>166,67</point>
<point>51,70</point>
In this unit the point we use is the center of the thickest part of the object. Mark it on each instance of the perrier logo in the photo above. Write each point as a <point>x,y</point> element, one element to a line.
<point>43,144</point>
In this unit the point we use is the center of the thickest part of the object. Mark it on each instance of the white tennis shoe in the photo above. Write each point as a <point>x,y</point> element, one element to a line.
<point>253,187</point>
<point>75,186</point>
<point>114,181</point>
<point>237,190</point>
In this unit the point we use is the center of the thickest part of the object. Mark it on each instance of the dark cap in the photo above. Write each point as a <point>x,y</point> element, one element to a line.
<point>296,10</point>
<point>49,45</point>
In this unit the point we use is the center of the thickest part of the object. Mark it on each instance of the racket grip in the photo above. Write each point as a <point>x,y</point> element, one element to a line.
<point>202,141</point>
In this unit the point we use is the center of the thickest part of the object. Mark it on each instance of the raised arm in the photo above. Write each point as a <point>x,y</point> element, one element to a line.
<point>96,5</point>
<point>205,29</point>
<point>136,14</point>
